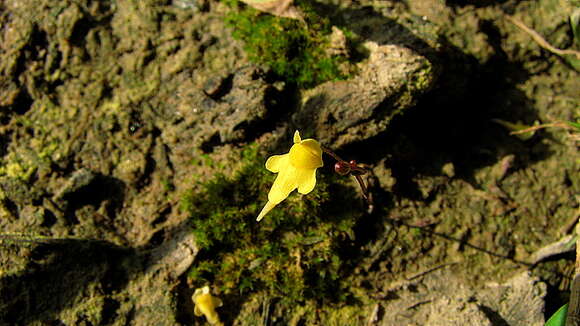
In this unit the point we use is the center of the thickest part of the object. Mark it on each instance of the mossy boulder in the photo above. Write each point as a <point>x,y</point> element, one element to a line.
<point>400,67</point>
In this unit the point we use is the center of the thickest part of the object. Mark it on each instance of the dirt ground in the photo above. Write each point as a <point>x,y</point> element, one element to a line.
<point>111,110</point>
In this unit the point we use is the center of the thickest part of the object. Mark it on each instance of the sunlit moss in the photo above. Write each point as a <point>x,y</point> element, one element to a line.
<point>293,254</point>
<point>295,50</point>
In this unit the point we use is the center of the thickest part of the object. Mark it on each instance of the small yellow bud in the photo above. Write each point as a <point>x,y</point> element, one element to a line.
<point>205,304</point>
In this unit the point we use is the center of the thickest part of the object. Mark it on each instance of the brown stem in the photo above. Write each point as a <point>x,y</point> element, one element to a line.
<point>355,170</point>
<point>363,187</point>
<point>573,316</point>
<point>331,153</point>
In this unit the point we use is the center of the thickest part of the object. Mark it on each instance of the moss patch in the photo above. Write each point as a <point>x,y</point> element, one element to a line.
<point>296,253</point>
<point>295,50</point>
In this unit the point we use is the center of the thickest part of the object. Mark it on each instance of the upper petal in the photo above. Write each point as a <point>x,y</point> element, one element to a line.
<point>312,145</point>
<point>306,180</point>
<point>306,155</point>
<point>297,138</point>
<point>276,163</point>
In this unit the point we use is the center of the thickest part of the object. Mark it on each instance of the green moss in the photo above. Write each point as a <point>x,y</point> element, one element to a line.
<point>293,254</point>
<point>295,50</point>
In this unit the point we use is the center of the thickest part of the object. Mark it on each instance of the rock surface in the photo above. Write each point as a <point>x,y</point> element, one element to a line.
<point>111,110</point>
<point>389,81</point>
<point>441,299</point>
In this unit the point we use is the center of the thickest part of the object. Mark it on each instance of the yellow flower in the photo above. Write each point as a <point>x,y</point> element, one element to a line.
<point>205,304</point>
<point>296,170</point>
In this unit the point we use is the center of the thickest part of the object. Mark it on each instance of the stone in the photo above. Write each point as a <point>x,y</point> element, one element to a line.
<point>517,302</point>
<point>343,112</point>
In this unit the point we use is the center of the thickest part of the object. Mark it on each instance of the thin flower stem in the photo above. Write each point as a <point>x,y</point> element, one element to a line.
<point>331,153</point>
<point>355,170</point>
<point>359,170</point>
<point>365,191</point>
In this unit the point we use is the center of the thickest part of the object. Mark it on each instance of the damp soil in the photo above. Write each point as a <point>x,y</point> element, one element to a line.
<point>111,110</point>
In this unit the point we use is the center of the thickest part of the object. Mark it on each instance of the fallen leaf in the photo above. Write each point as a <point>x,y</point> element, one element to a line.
<point>280,8</point>
<point>564,245</point>
<point>515,127</point>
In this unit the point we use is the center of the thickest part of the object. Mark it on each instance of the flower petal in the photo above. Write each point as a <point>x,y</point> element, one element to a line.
<point>284,184</point>
<point>297,138</point>
<point>306,155</point>
<point>306,180</point>
<point>276,163</point>
<point>268,207</point>
<point>313,147</point>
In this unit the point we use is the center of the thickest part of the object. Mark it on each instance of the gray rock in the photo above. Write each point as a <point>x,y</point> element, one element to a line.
<point>77,180</point>
<point>441,298</point>
<point>453,312</point>
<point>517,302</point>
<point>389,81</point>
<point>227,108</point>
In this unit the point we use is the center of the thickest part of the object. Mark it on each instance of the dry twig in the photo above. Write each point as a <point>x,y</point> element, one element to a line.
<point>542,126</point>
<point>541,41</point>
<point>573,317</point>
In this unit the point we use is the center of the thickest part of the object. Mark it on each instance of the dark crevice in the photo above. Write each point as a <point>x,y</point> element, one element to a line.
<point>22,103</point>
<point>4,141</point>
<point>157,239</point>
<point>57,276</point>
<point>38,40</point>
<point>452,123</point>
<point>135,122</point>
<point>114,278</point>
<point>48,219</point>
<point>109,312</point>
<point>278,105</point>
<point>185,307</point>
<point>11,207</point>
<point>162,216</point>
<point>150,163</point>
<point>218,88</point>
<point>80,30</point>
<point>474,3</point>
<point>101,190</point>
<point>208,145</point>
<point>494,317</point>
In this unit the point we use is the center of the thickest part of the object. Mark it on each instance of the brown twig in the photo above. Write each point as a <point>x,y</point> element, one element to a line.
<point>365,190</point>
<point>429,270</point>
<point>542,126</point>
<point>541,41</point>
<point>571,222</point>
<point>573,316</point>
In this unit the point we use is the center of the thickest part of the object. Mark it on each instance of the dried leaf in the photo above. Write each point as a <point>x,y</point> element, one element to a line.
<point>516,127</point>
<point>280,8</point>
<point>575,24</point>
<point>564,245</point>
